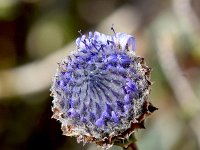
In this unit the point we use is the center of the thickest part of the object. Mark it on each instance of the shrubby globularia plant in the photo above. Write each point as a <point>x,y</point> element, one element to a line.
<point>101,90</point>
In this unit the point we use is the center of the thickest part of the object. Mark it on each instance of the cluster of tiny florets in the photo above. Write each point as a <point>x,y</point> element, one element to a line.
<point>100,90</point>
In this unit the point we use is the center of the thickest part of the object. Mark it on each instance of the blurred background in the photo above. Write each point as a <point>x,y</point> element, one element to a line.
<point>36,34</point>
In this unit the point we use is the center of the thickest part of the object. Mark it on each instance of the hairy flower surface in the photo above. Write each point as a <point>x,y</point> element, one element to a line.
<point>100,91</point>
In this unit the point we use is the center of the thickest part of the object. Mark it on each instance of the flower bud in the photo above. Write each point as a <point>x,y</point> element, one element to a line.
<point>101,90</point>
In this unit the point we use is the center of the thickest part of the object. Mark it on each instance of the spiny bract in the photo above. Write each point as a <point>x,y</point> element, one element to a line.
<point>100,91</point>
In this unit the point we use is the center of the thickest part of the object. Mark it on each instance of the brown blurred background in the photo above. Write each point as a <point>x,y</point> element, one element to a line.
<point>36,34</point>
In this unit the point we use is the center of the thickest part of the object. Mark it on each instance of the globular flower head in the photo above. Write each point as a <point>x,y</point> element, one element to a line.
<point>101,90</point>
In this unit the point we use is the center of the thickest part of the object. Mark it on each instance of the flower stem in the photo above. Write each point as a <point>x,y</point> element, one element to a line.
<point>127,144</point>
<point>132,146</point>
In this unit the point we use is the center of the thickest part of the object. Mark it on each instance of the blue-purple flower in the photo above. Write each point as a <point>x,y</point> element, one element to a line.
<point>101,90</point>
